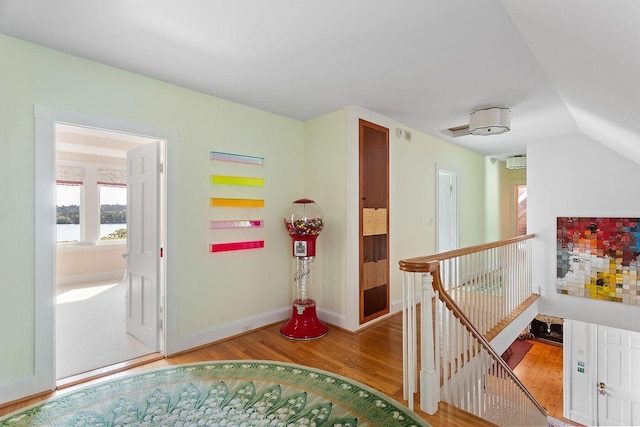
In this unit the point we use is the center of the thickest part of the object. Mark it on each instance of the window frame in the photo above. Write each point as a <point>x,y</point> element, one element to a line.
<point>90,203</point>
<point>79,185</point>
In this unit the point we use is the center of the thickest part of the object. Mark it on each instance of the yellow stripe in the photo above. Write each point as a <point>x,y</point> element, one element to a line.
<point>246,203</point>
<point>237,180</point>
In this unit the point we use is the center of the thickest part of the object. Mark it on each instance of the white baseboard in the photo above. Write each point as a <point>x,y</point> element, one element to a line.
<point>17,388</point>
<point>337,319</point>
<point>217,333</point>
<point>341,320</point>
<point>104,276</point>
<point>240,326</point>
<point>396,306</point>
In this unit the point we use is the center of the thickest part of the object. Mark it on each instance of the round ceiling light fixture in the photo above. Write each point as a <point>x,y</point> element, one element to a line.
<point>490,121</point>
<point>517,162</point>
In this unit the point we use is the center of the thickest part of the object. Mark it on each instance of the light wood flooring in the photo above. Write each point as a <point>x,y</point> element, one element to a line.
<point>372,356</point>
<point>541,372</point>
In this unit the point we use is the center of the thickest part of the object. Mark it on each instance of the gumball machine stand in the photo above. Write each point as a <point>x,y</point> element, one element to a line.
<point>304,222</point>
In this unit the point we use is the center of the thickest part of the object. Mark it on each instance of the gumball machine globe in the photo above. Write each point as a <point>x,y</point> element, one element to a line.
<point>304,222</point>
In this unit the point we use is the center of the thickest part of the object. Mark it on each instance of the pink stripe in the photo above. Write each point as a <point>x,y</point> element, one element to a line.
<point>236,223</point>
<point>237,246</point>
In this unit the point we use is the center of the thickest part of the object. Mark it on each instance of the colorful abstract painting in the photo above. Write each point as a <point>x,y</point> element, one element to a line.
<point>598,258</point>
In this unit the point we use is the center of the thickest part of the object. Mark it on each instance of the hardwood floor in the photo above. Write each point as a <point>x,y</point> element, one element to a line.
<point>372,357</point>
<point>541,372</point>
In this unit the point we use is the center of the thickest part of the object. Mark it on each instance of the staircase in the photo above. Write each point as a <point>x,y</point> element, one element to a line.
<point>453,304</point>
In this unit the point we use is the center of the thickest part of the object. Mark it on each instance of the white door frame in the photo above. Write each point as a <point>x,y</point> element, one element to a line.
<point>454,218</point>
<point>451,270</point>
<point>45,251</point>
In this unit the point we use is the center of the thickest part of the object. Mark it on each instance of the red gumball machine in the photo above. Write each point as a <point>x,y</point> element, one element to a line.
<point>304,223</point>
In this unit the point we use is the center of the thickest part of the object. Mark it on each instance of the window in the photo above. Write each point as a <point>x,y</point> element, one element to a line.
<point>113,212</point>
<point>91,204</point>
<point>521,209</point>
<point>68,212</point>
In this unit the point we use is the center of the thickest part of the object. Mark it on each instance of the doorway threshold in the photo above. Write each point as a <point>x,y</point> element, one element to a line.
<point>107,370</point>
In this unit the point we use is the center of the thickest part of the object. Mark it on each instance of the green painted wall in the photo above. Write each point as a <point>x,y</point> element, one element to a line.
<point>212,289</point>
<point>301,160</point>
<point>325,175</point>
<point>413,185</point>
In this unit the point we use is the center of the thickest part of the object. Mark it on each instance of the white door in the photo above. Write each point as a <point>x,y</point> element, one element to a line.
<point>447,210</point>
<point>143,244</point>
<point>618,384</point>
<point>447,220</point>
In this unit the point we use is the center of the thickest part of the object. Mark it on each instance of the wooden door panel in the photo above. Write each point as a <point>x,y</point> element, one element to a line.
<point>374,220</point>
<point>375,173</point>
<point>375,302</point>
<point>374,248</point>
<point>374,274</point>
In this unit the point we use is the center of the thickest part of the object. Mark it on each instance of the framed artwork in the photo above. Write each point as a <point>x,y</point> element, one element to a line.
<point>598,258</point>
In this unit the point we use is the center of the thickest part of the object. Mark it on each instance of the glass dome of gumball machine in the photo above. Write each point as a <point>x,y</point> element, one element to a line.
<point>304,222</point>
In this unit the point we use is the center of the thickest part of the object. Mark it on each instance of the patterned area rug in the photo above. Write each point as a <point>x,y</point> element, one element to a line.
<point>516,352</point>
<point>225,393</point>
<point>554,422</point>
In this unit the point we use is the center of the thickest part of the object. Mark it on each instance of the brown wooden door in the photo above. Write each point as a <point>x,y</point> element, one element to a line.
<point>374,221</point>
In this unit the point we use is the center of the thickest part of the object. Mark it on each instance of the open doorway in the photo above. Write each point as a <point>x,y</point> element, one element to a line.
<point>521,209</point>
<point>448,218</point>
<point>93,229</point>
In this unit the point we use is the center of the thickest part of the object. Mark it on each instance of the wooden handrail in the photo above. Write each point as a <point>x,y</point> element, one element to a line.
<point>457,312</point>
<point>431,264</point>
<point>418,264</point>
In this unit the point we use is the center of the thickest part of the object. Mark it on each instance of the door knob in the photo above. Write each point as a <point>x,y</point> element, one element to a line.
<point>601,387</point>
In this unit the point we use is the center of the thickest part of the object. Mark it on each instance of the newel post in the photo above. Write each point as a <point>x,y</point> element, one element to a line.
<point>409,339</point>
<point>429,372</point>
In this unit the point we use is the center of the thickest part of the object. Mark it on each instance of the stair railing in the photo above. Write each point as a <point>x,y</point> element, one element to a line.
<point>458,365</point>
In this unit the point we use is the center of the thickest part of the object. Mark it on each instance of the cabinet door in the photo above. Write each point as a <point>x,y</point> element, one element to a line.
<point>374,221</point>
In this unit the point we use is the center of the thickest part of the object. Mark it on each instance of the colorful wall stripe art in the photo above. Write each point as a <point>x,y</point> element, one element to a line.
<point>242,203</point>
<point>598,258</point>
<point>238,158</point>
<point>236,202</point>
<point>236,246</point>
<point>237,180</point>
<point>236,223</point>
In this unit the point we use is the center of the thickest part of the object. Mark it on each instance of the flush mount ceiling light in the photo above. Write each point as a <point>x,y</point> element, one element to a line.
<point>490,121</point>
<point>517,162</point>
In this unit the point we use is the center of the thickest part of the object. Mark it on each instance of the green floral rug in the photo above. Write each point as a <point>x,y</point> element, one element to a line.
<point>225,393</point>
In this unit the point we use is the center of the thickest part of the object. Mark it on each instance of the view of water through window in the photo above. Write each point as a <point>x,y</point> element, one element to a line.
<point>113,212</point>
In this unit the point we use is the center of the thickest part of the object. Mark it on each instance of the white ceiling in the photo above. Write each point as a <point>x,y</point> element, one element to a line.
<point>562,67</point>
<point>97,143</point>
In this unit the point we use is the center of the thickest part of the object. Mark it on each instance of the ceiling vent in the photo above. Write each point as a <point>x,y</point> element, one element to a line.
<point>490,121</point>
<point>517,162</point>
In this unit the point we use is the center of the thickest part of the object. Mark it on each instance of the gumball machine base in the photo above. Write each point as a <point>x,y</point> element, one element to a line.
<point>304,323</point>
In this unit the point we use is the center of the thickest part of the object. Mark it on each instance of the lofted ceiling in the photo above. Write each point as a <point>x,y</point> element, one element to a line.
<point>562,67</point>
